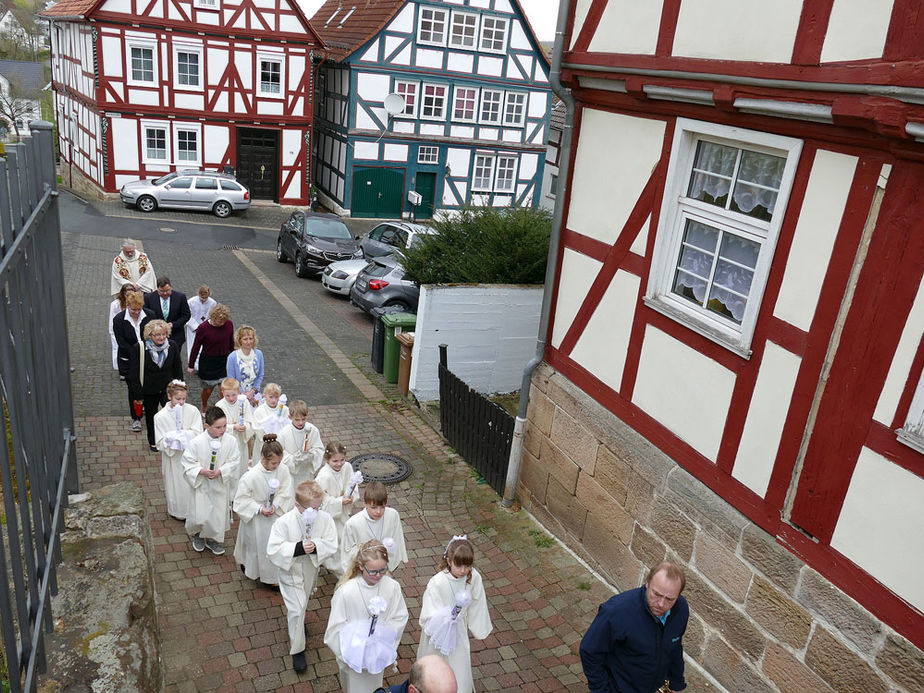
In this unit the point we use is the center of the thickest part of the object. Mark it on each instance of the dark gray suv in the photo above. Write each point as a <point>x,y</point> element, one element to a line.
<point>382,283</point>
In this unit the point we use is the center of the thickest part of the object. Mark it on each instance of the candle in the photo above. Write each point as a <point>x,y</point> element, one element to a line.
<point>308,516</point>
<point>215,445</point>
<point>305,448</point>
<point>273,487</point>
<point>178,415</point>
<point>355,478</point>
<point>241,417</point>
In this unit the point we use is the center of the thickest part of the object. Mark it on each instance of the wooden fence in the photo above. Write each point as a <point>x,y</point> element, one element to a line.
<point>480,430</point>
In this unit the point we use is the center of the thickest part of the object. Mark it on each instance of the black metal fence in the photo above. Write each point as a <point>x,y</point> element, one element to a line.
<point>479,429</point>
<point>37,463</point>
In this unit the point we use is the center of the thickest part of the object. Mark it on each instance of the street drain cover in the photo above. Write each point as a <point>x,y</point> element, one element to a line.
<point>388,469</point>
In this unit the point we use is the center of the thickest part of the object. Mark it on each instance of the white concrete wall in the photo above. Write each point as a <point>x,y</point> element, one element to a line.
<point>491,331</point>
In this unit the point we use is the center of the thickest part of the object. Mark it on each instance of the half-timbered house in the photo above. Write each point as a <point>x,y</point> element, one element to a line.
<point>467,85</point>
<point>733,371</point>
<point>143,87</point>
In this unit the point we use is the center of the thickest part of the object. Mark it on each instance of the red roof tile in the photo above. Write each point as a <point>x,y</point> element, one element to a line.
<point>344,31</point>
<point>70,8</point>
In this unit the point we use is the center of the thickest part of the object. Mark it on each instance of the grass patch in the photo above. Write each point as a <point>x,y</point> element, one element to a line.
<point>541,539</point>
<point>584,586</point>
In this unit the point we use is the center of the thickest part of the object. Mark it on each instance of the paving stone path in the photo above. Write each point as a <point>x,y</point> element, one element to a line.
<point>221,631</point>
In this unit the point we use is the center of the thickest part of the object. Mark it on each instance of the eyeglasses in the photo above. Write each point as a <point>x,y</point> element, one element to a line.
<point>373,573</point>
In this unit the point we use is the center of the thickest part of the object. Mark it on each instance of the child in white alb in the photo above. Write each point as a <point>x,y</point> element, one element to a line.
<point>240,422</point>
<point>341,492</point>
<point>454,603</point>
<point>302,442</point>
<point>264,494</point>
<point>209,464</point>
<point>199,309</point>
<point>367,618</point>
<point>376,521</point>
<point>174,427</point>
<point>270,416</point>
<point>299,541</point>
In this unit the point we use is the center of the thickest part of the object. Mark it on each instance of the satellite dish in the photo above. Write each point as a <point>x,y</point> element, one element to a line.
<point>394,104</point>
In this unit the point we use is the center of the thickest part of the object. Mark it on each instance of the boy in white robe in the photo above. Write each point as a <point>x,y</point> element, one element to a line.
<point>458,585</point>
<point>341,493</point>
<point>364,590</point>
<point>297,547</point>
<point>199,309</point>
<point>264,494</point>
<point>174,427</point>
<point>376,521</point>
<point>270,416</point>
<point>210,462</point>
<point>240,422</point>
<point>302,442</point>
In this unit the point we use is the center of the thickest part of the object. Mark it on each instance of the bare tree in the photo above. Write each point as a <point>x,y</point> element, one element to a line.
<point>24,37</point>
<point>18,103</point>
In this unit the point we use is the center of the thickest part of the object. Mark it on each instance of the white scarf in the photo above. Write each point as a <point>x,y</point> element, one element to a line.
<point>248,370</point>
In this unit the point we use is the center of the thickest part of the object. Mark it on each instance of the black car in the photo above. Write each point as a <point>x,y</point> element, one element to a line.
<point>314,240</point>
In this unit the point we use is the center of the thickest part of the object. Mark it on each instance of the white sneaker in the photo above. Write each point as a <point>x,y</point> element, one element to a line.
<point>136,426</point>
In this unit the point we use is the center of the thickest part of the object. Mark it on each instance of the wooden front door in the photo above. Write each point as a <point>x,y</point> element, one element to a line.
<point>378,193</point>
<point>258,162</point>
<point>426,186</point>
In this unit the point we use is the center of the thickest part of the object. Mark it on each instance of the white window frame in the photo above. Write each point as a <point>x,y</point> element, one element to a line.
<point>413,107</point>
<point>420,22</point>
<point>476,35</point>
<point>146,125</point>
<point>278,58</point>
<point>488,157</point>
<point>432,154</point>
<point>676,208</point>
<point>475,105</point>
<point>485,20</point>
<point>196,50</point>
<point>509,97</point>
<point>513,173</point>
<point>500,107</point>
<point>423,97</point>
<point>130,72</point>
<point>197,131</point>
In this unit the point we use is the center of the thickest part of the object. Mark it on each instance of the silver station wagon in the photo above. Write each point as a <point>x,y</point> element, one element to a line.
<point>208,191</point>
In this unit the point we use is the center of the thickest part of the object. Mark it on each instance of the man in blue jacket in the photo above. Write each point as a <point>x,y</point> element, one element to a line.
<point>635,643</point>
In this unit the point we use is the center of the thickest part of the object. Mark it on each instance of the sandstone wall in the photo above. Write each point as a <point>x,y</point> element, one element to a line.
<point>761,620</point>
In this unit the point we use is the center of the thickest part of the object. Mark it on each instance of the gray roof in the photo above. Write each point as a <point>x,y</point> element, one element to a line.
<point>29,75</point>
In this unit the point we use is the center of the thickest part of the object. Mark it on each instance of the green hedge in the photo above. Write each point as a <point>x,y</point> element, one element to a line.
<point>483,245</point>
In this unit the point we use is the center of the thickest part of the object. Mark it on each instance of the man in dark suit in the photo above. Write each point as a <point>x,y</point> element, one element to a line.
<point>128,328</point>
<point>171,306</point>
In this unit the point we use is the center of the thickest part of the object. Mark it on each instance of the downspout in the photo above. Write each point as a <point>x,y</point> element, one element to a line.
<point>564,165</point>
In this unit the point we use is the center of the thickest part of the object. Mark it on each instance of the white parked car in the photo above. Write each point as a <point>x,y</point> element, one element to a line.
<point>339,277</point>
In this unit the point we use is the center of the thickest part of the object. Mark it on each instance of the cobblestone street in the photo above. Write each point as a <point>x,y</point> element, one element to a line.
<point>221,631</point>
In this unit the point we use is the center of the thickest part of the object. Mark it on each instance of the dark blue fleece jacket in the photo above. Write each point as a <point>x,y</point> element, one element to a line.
<point>627,650</point>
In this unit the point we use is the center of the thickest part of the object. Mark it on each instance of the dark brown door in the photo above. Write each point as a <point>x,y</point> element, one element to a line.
<point>258,162</point>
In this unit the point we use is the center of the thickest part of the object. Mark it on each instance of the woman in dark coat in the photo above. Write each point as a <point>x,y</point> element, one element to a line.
<point>160,359</point>
<point>214,341</point>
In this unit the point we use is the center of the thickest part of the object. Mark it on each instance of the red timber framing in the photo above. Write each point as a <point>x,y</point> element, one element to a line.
<point>899,250</point>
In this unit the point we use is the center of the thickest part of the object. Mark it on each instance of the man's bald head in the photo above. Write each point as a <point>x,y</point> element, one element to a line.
<point>431,674</point>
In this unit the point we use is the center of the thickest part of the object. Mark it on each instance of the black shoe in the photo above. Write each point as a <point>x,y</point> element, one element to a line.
<point>298,662</point>
<point>153,448</point>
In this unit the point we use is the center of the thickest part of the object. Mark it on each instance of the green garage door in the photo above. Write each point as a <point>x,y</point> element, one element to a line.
<point>378,192</point>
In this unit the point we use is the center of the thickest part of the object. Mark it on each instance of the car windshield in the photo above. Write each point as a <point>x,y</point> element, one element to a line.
<point>329,228</point>
<point>374,269</point>
<point>165,179</point>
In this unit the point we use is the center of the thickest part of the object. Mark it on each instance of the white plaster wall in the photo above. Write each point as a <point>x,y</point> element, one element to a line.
<point>766,417</point>
<point>628,26</point>
<point>615,157</point>
<point>640,244</point>
<point>460,62</point>
<point>901,362</point>
<point>372,87</point>
<point>215,141</point>
<point>112,56</point>
<point>581,8</point>
<point>684,390</point>
<point>490,67</point>
<point>819,221</point>
<point>366,150</point>
<point>429,58</point>
<point>143,97</point>
<point>404,20</point>
<point>881,522</point>
<point>857,29</point>
<point>396,152</point>
<point>491,331</point>
<point>125,157</point>
<point>577,274</point>
<point>604,344</point>
<point>737,30</point>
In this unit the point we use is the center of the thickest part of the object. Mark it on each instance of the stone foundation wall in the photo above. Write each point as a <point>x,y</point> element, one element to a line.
<point>761,620</point>
<point>74,179</point>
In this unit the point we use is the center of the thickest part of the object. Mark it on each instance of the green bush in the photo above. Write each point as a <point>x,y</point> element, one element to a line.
<point>483,245</point>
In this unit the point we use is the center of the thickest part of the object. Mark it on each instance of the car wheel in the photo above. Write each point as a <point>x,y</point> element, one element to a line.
<point>146,203</point>
<point>300,268</point>
<point>401,305</point>
<point>280,253</point>
<point>221,209</point>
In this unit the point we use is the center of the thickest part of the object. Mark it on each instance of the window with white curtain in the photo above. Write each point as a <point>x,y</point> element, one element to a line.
<point>724,201</point>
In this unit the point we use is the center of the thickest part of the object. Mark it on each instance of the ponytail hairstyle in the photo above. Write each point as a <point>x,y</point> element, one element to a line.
<point>271,446</point>
<point>459,551</point>
<point>333,448</point>
<point>370,551</point>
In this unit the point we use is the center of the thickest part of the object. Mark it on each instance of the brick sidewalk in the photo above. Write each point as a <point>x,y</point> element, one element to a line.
<point>221,631</point>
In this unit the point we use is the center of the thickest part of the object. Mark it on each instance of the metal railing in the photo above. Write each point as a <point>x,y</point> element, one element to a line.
<point>37,463</point>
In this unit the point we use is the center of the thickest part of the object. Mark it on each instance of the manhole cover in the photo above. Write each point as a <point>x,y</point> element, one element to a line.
<point>388,469</point>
